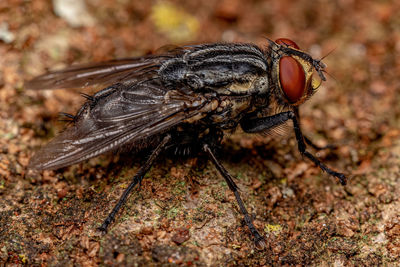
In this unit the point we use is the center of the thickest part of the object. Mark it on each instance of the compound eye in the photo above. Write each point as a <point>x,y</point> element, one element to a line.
<point>292,78</point>
<point>287,42</point>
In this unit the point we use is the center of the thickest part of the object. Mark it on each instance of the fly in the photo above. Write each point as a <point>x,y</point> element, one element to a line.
<point>183,101</point>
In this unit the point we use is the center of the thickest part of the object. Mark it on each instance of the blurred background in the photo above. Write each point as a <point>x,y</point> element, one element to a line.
<point>307,217</point>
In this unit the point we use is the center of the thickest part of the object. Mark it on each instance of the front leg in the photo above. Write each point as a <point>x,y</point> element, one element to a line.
<point>307,140</point>
<point>256,125</point>
<point>317,147</point>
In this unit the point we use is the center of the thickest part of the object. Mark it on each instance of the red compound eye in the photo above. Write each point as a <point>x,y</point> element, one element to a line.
<point>287,42</point>
<point>292,78</point>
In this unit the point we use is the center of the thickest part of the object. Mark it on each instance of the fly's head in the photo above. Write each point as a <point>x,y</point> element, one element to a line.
<point>292,71</point>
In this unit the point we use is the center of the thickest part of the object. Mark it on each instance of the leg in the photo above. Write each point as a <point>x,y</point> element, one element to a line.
<point>306,139</point>
<point>317,147</point>
<point>136,179</point>
<point>255,125</point>
<point>258,239</point>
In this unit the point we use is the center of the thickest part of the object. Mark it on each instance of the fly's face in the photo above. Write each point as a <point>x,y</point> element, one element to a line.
<point>292,71</point>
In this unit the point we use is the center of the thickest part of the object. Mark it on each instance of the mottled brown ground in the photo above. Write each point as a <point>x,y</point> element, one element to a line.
<point>184,213</point>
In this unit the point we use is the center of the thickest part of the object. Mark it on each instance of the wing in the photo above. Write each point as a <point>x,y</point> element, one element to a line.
<point>105,73</point>
<point>117,116</point>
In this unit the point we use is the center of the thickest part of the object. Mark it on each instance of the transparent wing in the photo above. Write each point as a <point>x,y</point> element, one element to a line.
<point>105,73</point>
<point>118,116</point>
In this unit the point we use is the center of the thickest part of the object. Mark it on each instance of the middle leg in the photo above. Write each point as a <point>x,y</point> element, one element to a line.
<point>258,239</point>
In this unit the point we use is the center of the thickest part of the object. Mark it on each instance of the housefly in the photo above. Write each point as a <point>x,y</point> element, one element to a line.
<point>183,100</point>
